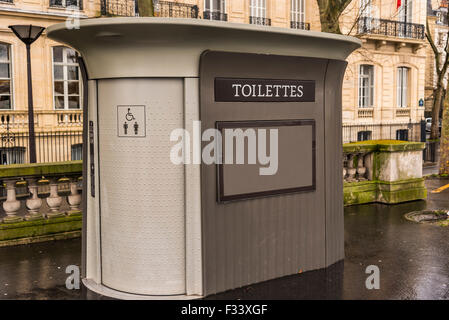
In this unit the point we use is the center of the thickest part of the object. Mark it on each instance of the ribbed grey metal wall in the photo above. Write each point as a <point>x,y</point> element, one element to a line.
<point>249,241</point>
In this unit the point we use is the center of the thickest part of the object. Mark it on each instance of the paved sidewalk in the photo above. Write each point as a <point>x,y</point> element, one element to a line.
<point>413,261</point>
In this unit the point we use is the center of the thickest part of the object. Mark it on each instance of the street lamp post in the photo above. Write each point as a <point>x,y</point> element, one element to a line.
<point>28,34</point>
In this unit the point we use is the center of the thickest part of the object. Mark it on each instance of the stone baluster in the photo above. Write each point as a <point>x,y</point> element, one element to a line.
<point>361,169</point>
<point>74,199</point>
<point>33,203</point>
<point>54,201</point>
<point>351,170</point>
<point>11,205</point>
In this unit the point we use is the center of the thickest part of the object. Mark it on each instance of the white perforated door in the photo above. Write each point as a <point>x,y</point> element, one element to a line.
<point>141,191</point>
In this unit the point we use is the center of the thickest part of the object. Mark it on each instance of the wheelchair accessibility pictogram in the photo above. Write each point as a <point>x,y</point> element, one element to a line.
<point>131,121</point>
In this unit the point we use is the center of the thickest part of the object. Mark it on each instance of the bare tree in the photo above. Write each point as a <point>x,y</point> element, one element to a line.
<point>444,143</point>
<point>145,8</point>
<point>330,12</point>
<point>441,66</point>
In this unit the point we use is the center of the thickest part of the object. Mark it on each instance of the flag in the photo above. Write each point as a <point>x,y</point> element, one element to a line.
<point>398,4</point>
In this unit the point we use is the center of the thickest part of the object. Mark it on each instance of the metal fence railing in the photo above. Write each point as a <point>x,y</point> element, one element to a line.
<point>396,131</point>
<point>130,8</point>
<point>67,4</point>
<point>430,153</point>
<point>368,25</point>
<point>50,147</point>
<point>300,25</point>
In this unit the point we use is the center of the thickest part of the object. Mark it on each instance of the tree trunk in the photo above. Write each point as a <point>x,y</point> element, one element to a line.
<point>444,143</point>
<point>328,23</point>
<point>437,102</point>
<point>145,8</point>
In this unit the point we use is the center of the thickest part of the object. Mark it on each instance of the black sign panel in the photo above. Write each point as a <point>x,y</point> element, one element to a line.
<point>264,90</point>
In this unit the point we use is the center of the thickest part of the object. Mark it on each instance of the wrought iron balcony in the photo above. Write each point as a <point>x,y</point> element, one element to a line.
<point>368,25</point>
<point>299,25</point>
<point>178,10</point>
<point>130,8</point>
<point>66,4</point>
<point>215,15</point>
<point>260,21</point>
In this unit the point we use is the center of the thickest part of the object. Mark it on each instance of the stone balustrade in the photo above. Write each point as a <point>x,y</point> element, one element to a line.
<point>386,171</point>
<point>35,195</point>
<point>18,119</point>
<point>356,166</point>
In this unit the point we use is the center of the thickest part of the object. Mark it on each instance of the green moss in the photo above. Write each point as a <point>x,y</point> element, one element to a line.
<point>384,191</point>
<point>41,169</point>
<point>382,145</point>
<point>36,228</point>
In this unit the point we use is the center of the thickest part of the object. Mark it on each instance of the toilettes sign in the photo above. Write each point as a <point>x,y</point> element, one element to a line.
<point>264,90</point>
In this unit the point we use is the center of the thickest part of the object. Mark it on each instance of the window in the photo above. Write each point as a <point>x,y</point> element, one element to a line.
<point>365,8</point>
<point>258,12</point>
<point>13,155</point>
<point>405,16</point>
<point>215,10</point>
<point>5,77</point>
<point>363,135</point>
<point>298,14</point>
<point>366,86</point>
<point>67,3</point>
<point>406,11</point>
<point>402,87</point>
<point>402,134</point>
<point>66,79</point>
<point>77,151</point>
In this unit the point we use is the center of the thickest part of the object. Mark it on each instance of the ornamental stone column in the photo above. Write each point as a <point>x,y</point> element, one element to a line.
<point>11,205</point>
<point>74,199</point>
<point>54,201</point>
<point>33,203</point>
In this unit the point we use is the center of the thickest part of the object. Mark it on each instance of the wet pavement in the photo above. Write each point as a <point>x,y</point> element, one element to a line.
<point>413,260</point>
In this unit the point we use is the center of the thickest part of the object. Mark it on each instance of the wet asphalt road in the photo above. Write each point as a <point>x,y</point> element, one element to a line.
<point>413,260</point>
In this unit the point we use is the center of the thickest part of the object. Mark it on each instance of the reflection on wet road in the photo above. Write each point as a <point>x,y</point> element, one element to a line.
<point>413,260</point>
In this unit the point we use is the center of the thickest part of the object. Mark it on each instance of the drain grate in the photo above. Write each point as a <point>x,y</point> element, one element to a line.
<point>437,217</point>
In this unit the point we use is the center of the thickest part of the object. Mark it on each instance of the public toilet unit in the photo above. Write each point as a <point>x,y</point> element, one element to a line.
<point>158,229</point>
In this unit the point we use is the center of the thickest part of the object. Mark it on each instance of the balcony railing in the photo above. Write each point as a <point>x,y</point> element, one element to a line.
<point>130,8</point>
<point>121,8</point>
<point>300,25</point>
<point>215,15</point>
<point>260,21</point>
<point>18,119</point>
<point>368,25</point>
<point>67,4</point>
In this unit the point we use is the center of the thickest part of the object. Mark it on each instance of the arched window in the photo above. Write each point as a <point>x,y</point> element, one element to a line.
<point>366,86</point>
<point>66,79</point>
<point>5,77</point>
<point>403,80</point>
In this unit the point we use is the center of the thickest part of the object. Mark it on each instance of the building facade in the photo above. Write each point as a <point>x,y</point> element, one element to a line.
<point>383,85</point>
<point>438,28</point>
<point>56,82</point>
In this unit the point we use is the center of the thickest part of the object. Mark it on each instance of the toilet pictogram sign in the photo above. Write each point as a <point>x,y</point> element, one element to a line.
<point>131,121</point>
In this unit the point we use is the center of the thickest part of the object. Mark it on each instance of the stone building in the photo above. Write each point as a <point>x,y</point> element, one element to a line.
<point>57,88</point>
<point>383,85</point>
<point>438,28</point>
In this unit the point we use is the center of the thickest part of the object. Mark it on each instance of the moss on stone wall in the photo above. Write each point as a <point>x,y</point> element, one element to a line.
<point>41,169</point>
<point>384,191</point>
<point>42,227</point>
